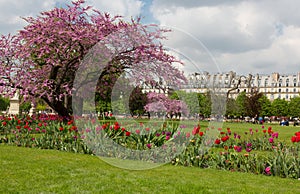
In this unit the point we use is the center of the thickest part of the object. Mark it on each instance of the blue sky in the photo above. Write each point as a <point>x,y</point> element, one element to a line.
<point>258,36</point>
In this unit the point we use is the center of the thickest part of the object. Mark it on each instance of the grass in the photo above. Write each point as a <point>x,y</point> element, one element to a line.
<point>25,170</point>
<point>285,132</point>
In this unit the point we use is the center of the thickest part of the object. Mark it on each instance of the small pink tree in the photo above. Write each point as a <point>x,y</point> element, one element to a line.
<point>41,60</point>
<point>160,103</point>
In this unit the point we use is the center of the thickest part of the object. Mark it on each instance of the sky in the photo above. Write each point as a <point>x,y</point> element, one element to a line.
<point>258,36</point>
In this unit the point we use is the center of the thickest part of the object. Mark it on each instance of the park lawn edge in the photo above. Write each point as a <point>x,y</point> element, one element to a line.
<point>25,170</point>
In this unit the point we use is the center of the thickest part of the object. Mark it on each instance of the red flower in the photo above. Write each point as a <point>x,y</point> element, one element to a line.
<point>201,133</point>
<point>264,131</point>
<point>217,141</point>
<point>225,138</point>
<point>123,129</point>
<point>127,133</point>
<point>147,129</point>
<point>294,139</point>
<point>40,124</point>
<point>137,131</point>
<point>196,130</point>
<point>18,127</point>
<point>104,126</point>
<point>61,128</point>
<point>117,126</point>
<point>4,123</point>
<point>188,135</point>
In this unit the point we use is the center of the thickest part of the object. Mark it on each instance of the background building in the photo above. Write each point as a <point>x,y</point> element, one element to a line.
<point>273,86</point>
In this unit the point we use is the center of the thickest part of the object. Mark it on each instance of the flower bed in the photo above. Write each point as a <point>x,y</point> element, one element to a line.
<point>254,151</point>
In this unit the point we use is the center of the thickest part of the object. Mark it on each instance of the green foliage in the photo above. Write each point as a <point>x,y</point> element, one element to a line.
<point>205,104</point>
<point>25,107</point>
<point>4,103</point>
<point>231,107</point>
<point>241,102</point>
<point>253,105</point>
<point>280,107</point>
<point>294,107</point>
<point>191,99</point>
<point>118,107</point>
<point>137,101</point>
<point>266,106</point>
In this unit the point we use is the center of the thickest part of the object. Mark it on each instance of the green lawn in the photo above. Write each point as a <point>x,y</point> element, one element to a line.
<point>25,170</point>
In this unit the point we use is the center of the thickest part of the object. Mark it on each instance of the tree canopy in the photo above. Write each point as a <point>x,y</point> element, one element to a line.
<point>42,59</point>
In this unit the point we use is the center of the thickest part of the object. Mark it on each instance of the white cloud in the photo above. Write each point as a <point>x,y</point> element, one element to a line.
<point>11,11</point>
<point>126,8</point>
<point>244,36</point>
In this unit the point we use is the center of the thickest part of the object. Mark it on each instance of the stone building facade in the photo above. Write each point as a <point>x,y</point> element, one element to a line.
<point>273,86</point>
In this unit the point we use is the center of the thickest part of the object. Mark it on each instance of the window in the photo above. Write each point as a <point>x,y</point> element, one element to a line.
<point>287,90</point>
<point>280,82</point>
<point>287,82</point>
<point>279,90</point>
<point>266,82</point>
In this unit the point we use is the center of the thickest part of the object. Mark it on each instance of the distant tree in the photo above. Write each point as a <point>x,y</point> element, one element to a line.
<point>25,107</point>
<point>231,107</point>
<point>235,82</point>
<point>4,103</point>
<point>294,107</point>
<point>241,102</point>
<point>253,106</point>
<point>205,104</point>
<point>137,101</point>
<point>280,107</point>
<point>266,106</point>
<point>191,99</point>
<point>118,107</point>
<point>160,103</point>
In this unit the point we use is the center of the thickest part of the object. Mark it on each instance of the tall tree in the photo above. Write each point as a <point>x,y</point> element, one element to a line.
<point>137,101</point>
<point>266,106</point>
<point>241,102</point>
<point>280,107</point>
<point>41,60</point>
<point>205,104</point>
<point>294,107</point>
<point>253,105</point>
<point>231,107</point>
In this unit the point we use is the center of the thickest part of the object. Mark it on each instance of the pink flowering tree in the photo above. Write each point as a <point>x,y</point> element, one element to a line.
<point>41,60</point>
<point>160,103</point>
